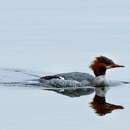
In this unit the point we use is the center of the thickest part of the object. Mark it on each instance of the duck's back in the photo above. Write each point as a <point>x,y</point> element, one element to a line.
<point>72,79</point>
<point>78,76</point>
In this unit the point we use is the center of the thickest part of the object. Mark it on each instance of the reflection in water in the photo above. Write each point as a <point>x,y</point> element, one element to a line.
<point>99,103</point>
<point>73,92</point>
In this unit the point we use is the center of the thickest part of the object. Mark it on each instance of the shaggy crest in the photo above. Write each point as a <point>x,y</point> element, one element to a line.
<point>101,59</point>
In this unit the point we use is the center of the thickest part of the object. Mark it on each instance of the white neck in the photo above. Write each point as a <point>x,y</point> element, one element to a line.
<point>102,81</point>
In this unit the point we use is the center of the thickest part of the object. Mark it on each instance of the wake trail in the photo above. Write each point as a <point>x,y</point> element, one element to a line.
<point>21,71</point>
<point>18,77</point>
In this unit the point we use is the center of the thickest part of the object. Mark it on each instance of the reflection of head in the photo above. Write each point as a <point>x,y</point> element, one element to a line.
<point>102,107</point>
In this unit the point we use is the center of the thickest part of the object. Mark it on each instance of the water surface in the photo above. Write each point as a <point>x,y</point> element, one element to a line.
<point>49,37</point>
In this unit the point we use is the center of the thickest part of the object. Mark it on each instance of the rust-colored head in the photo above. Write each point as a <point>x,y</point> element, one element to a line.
<point>101,63</point>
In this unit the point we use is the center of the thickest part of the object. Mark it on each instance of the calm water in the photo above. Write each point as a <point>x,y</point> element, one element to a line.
<point>44,37</point>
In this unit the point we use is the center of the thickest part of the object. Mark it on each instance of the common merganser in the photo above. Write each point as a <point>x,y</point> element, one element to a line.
<point>79,79</point>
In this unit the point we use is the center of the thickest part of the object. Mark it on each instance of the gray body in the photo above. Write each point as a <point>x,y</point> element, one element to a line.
<point>72,79</point>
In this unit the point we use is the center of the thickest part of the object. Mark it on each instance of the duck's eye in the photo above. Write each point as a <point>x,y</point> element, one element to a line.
<point>102,69</point>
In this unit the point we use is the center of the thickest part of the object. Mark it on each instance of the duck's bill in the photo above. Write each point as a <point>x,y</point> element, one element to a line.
<point>114,66</point>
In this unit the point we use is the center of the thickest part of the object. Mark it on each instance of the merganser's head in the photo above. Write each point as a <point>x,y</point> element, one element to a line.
<point>101,64</point>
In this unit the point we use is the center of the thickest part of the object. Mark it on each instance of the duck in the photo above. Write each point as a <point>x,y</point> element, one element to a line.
<point>80,79</point>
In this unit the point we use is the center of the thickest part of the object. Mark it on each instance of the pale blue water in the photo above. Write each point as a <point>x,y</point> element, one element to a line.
<point>62,36</point>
